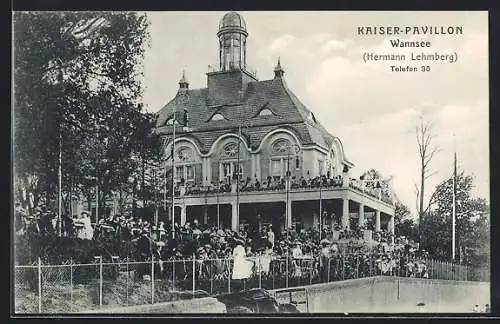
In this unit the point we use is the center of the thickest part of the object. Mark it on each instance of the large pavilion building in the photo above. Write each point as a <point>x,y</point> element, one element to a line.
<point>257,133</point>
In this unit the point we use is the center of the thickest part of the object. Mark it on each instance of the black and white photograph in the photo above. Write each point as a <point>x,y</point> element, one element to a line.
<point>238,162</point>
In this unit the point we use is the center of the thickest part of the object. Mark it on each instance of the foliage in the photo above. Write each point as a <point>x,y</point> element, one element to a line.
<point>78,88</point>
<point>407,228</point>
<point>401,211</point>
<point>472,223</point>
<point>58,250</point>
<point>404,224</point>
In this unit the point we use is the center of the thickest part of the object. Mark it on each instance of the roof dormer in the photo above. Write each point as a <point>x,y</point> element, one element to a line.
<point>217,116</point>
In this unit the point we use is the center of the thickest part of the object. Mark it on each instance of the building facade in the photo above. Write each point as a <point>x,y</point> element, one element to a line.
<point>248,152</point>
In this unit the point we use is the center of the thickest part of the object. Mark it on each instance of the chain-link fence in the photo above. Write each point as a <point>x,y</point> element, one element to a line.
<point>83,287</point>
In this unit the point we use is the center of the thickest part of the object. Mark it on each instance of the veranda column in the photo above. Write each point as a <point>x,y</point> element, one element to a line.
<point>289,213</point>
<point>361,219</point>
<point>257,166</point>
<point>183,214</point>
<point>377,221</point>
<point>206,174</point>
<point>253,167</point>
<point>234,216</point>
<point>345,213</point>
<point>391,225</point>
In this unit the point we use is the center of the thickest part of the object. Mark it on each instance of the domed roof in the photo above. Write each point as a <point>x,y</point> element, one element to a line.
<point>232,21</point>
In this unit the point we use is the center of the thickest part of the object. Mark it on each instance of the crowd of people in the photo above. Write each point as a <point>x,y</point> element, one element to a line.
<point>332,253</point>
<point>279,183</point>
<point>243,254</point>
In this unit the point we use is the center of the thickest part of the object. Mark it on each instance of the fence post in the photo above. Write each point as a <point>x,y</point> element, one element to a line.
<point>286,260</point>
<point>71,284</point>
<point>39,285</point>
<point>343,268</point>
<point>173,274</point>
<point>128,274</point>
<point>260,270</point>
<point>211,277</point>
<point>328,270</point>
<point>152,279</point>
<point>194,273</point>
<point>310,267</point>
<point>229,276</point>
<point>100,281</point>
<point>357,266</point>
<point>273,269</point>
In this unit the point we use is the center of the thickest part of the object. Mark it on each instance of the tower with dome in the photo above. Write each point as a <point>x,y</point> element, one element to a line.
<point>249,153</point>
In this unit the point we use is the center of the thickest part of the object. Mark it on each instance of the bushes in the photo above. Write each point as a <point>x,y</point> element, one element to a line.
<point>59,250</point>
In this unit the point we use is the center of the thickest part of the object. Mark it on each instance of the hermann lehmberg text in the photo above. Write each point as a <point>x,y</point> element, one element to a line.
<point>418,54</point>
<point>413,56</point>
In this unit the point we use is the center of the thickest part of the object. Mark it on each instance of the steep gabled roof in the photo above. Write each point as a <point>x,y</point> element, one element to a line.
<point>288,112</point>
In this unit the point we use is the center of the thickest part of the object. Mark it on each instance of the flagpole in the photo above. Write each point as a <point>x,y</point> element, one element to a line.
<point>238,182</point>
<point>59,174</point>
<point>173,174</point>
<point>454,199</point>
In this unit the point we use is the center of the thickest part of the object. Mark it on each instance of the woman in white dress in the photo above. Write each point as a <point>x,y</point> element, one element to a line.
<point>242,268</point>
<point>87,232</point>
<point>265,260</point>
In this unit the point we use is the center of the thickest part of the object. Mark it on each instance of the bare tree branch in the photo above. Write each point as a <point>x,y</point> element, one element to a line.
<point>427,176</point>
<point>426,151</point>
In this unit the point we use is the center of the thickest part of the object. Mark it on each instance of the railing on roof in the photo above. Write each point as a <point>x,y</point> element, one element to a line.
<point>216,68</point>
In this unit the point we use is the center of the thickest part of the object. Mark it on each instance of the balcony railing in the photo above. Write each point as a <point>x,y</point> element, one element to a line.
<point>280,185</point>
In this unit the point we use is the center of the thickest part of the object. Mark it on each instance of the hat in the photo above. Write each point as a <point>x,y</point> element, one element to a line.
<point>324,241</point>
<point>85,212</point>
<point>239,240</point>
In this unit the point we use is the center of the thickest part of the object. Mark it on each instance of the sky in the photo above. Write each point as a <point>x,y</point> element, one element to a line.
<point>372,110</point>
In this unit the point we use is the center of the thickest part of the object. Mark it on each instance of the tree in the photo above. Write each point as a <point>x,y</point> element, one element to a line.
<point>77,86</point>
<point>426,151</point>
<point>472,223</point>
<point>404,223</point>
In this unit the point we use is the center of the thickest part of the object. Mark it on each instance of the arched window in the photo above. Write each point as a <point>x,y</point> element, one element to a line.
<point>265,112</point>
<point>281,146</point>
<point>185,164</point>
<point>217,116</point>
<point>331,167</point>
<point>282,154</point>
<point>170,121</point>
<point>228,166</point>
<point>229,151</point>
